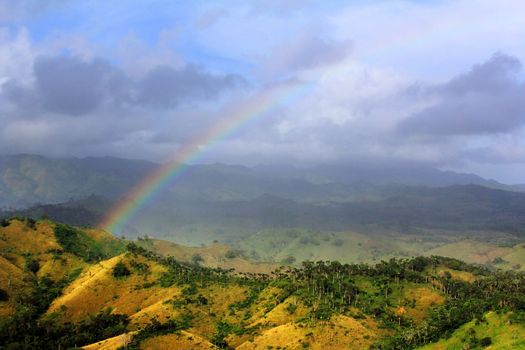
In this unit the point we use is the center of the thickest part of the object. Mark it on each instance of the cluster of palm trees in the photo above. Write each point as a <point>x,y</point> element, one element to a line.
<point>331,287</point>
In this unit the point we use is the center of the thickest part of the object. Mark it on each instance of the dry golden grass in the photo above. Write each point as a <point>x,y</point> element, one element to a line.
<point>11,280</point>
<point>219,298</point>
<point>279,315</point>
<point>341,332</point>
<point>289,335</point>
<point>97,289</point>
<point>425,298</point>
<point>20,238</point>
<point>97,234</point>
<point>58,268</point>
<point>181,341</point>
<point>212,256</point>
<point>111,343</point>
<point>458,275</point>
<point>160,310</point>
<point>266,297</point>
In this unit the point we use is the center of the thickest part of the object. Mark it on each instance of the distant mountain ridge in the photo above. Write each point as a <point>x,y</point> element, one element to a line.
<point>26,180</point>
<point>403,173</point>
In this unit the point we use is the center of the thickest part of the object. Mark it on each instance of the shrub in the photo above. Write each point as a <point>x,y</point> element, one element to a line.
<point>323,312</point>
<point>289,260</point>
<point>76,242</point>
<point>291,308</point>
<point>4,296</point>
<point>197,259</point>
<point>79,243</point>
<point>337,242</point>
<point>140,268</point>
<point>31,223</point>
<point>309,240</point>
<point>232,254</point>
<point>485,341</point>
<point>121,270</point>
<point>32,264</point>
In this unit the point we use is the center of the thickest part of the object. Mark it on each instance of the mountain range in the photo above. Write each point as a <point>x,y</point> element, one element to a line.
<point>229,202</point>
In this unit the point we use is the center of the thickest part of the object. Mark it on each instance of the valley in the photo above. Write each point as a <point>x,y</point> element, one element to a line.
<point>262,175</point>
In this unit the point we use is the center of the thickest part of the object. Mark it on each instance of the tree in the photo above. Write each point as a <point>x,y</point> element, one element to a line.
<point>32,264</point>
<point>4,296</point>
<point>197,259</point>
<point>121,270</point>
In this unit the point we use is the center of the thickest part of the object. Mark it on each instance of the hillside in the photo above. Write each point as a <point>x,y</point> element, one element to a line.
<point>214,255</point>
<point>294,245</point>
<point>102,297</point>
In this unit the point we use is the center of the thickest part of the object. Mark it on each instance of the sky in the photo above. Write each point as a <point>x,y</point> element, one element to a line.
<point>439,82</point>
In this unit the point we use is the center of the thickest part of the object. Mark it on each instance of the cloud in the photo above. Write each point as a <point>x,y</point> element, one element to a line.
<point>14,10</point>
<point>307,51</point>
<point>124,85</point>
<point>68,85</point>
<point>167,87</point>
<point>72,86</point>
<point>278,7</point>
<point>489,99</point>
<point>210,17</point>
<point>16,55</point>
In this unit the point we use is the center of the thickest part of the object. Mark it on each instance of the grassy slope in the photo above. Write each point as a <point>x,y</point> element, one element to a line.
<point>471,251</point>
<point>504,336</point>
<point>350,247</point>
<point>515,258</point>
<point>278,245</point>
<point>19,243</point>
<point>214,255</point>
<point>182,341</point>
<point>22,241</point>
<point>96,289</point>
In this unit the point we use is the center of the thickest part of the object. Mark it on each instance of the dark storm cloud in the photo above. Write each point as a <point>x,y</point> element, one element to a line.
<point>167,87</point>
<point>488,99</point>
<point>72,86</point>
<point>69,85</point>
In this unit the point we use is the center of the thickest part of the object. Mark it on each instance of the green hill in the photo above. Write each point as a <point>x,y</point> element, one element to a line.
<point>105,298</point>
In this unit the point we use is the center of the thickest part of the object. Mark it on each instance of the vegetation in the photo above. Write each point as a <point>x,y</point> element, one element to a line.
<point>27,329</point>
<point>32,264</point>
<point>121,270</point>
<point>155,328</point>
<point>4,296</point>
<point>394,304</point>
<point>77,242</point>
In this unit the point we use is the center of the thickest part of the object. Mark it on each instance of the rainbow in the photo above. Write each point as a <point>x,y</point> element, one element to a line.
<point>257,107</point>
<point>234,120</point>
